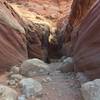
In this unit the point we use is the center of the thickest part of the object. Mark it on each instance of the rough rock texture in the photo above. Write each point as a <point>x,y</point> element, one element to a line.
<point>51,9</point>
<point>81,34</point>
<point>67,65</point>
<point>12,37</point>
<point>30,87</point>
<point>37,41</point>
<point>91,90</point>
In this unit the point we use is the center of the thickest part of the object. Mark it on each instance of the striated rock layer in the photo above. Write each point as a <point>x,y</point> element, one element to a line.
<point>13,48</point>
<point>79,36</point>
<point>86,43</point>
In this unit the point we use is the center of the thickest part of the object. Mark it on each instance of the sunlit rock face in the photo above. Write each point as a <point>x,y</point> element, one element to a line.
<point>51,9</point>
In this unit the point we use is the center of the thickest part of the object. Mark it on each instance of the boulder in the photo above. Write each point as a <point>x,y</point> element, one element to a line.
<point>34,67</point>
<point>91,90</point>
<point>67,65</point>
<point>30,87</point>
<point>7,93</point>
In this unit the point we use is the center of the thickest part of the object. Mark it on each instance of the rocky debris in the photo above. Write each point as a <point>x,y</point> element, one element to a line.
<point>7,93</point>
<point>30,87</point>
<point>15,70</point>
<point>81,77</point>
<point>62,58</point>
<point>22,97</point>
<point>12,83</point>
<point>70,75</point>
<point>34,67</point>
<point>46,80</point>
<point>14,77</point>
<point>67,65</point>
<point>91,90</point>
<point>68,60</point>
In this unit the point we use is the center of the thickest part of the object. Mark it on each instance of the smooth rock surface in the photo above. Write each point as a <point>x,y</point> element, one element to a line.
<point>7,93</point>
<point>33,67</point>
<point>91,90</point>
<point>67,65</point>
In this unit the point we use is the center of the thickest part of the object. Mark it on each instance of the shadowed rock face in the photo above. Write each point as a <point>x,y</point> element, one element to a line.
<point>86,50</point>
<point>83,40</point>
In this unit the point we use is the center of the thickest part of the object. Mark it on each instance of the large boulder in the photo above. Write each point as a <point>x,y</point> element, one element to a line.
<point>34,67</point>
<point>91,90</point>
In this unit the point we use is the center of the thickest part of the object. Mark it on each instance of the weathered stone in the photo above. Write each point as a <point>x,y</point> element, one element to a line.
<point>91,90</point>
<point>7,93</point>
<point>67,65</point>
<point>15,70</point>
<point>12,83</point>
<point>82,77</point>
<point>30,87</point>
<point>22,97</point>
<point>34,67</point>
<point>16,77</point>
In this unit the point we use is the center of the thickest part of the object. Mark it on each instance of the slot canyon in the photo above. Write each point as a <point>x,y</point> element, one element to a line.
<point>49,49</point>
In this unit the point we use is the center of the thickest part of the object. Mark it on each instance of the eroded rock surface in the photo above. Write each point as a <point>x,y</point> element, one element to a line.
<point>91,90</point>
<point>12,37</point>
<point>30,87</point>
<point>34,67</point>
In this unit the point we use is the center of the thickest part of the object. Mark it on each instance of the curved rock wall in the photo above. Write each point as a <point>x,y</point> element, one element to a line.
<point>86,41</point>
<point>13,48</point>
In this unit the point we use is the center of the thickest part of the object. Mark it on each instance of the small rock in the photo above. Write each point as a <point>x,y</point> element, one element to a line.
<point>22,97</point>
<point>91,90</point>
<point>11,83</point>
<point>68,60</point>
<point>46,80</point>
<point>63,58</point>
<point>67,65</point>
<point>30,87</point>
<point>33,67</point>
<point>16,77</point>
<point>7,93</point>
<point>15,70</point>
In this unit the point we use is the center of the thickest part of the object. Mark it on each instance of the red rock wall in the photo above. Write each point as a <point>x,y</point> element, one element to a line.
<point>13,48</point>
<point>86,43</point>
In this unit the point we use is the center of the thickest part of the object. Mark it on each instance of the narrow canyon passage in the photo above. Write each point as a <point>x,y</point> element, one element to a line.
<point>49,49</point>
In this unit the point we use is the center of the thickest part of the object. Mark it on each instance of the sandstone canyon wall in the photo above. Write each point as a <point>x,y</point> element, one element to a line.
<point>13,48</point>
<point>86,43</point>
